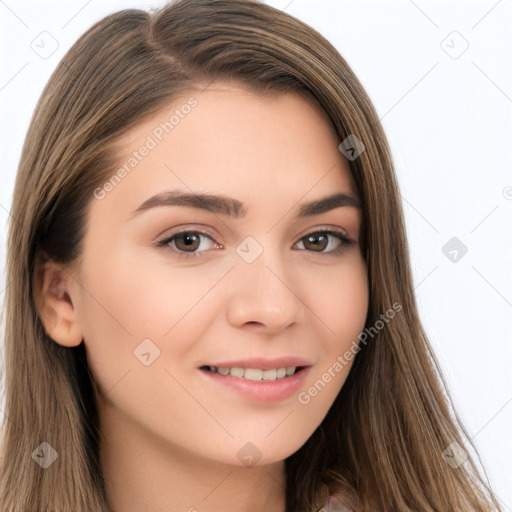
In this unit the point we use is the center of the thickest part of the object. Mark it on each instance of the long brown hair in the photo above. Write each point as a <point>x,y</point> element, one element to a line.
<point>382,440</point>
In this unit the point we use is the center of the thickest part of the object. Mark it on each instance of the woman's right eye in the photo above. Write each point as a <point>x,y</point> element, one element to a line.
<point>185,243</point>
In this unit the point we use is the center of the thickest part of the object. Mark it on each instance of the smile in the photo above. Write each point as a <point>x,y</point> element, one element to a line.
<point>269,385</point>
<point>254,373</point>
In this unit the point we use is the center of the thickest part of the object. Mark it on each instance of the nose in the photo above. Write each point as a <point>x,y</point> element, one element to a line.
<point>264,295</point>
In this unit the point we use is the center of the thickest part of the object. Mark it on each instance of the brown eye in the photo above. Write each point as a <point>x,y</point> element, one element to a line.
<point>319,241</point>
<point>316,242</point>
<point>187,241</point>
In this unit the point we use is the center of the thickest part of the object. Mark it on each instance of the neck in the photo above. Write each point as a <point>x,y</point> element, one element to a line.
<point>143,472</point>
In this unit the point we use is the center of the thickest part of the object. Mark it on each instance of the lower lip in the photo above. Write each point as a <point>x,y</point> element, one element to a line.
<point>261,390</point>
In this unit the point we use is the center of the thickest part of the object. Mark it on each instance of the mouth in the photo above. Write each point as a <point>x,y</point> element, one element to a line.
<point>255,374</point>
<point>275,382</point>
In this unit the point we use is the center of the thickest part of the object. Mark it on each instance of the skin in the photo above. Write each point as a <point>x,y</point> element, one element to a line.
<point>170,437</point>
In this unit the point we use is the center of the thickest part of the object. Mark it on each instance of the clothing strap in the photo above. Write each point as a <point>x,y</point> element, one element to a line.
<point>337,503</point>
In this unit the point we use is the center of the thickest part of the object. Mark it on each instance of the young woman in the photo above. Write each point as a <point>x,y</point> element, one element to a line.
<point>209,302</point>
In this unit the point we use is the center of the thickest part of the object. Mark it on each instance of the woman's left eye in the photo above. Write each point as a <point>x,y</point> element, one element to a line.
<point>321,237</point>
<point>186,243</point>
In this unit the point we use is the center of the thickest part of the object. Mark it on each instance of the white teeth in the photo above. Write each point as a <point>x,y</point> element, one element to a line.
<point>255,373</point>
<point>269,374</point>
<point>237,372</point>
<point>281,372</point>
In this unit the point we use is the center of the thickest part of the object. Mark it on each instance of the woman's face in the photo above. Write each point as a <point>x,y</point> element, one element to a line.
<point>250,285</point>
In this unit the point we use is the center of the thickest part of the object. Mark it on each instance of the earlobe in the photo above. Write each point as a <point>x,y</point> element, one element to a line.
<point>53,294</point>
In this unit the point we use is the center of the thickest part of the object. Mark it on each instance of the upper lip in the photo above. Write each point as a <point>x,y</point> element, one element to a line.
<point>262,363</point>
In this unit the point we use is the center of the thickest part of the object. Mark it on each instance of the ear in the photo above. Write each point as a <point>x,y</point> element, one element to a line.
<point>53,290</point>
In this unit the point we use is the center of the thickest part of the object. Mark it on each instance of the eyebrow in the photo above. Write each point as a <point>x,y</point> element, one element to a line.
<point>233,208</point>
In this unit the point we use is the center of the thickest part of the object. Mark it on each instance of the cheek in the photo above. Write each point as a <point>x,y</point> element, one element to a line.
<point>339,300</point>
<point>127,300</point>
<point>341,306</point>
<point>135,321</point>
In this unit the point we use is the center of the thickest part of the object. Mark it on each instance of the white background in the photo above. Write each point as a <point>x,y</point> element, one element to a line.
<point>448,118</point>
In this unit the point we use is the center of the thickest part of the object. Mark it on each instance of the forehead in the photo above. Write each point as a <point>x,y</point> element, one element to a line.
<point>227,139</point>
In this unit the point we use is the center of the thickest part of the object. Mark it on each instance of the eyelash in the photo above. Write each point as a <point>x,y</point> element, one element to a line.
<point>345,242</point>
